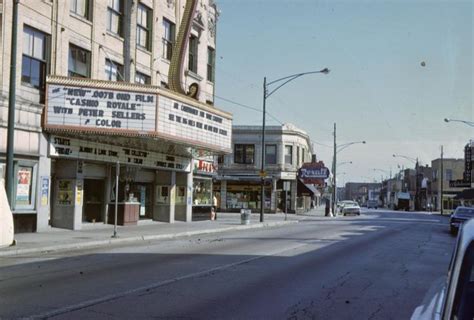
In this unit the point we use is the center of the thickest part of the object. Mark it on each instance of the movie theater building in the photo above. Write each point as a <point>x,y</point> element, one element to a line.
<point>93,103</point>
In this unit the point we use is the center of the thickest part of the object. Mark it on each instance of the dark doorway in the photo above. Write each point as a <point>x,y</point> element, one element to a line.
<point>93,204</point>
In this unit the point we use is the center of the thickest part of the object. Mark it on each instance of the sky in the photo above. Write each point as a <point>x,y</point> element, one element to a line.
<point>377,90</point>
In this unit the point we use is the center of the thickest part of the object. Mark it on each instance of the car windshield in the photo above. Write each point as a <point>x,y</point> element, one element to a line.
<point>465,211</point>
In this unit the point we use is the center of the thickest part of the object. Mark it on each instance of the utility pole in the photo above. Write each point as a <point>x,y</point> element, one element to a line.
<point>334,165</point>
<point>262,171</point>
<point>9,174</point>
<point>442,182</point>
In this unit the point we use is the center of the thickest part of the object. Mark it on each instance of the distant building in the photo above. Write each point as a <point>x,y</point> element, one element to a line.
<point>452,170</point>
<point>239,182</point>
<point>359,191</point>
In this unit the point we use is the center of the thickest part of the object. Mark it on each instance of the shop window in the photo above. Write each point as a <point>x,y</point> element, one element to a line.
<point>144,15</point>
<point>288,154</point>
<point>79,62</point>
<point>163,194</point>
<point>180,197</point>
<point>244,153</point>
<point>202,192</point>
<point>168,38</point>
<point>25,185</point>
<point>270,154</point>
<point>114,16</point>
<point>81,8</point>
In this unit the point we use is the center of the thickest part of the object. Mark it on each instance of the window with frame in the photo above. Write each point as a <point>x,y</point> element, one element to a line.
<point>142,78</point>
<point>193,54</point>
<point>80,8</point>
<point>303,154</point>
<point>211,62</point>
<point>113,71</point>
<point>288,154</point>
<point>34,64</point>
<point>449,174</point>
<point>297,156</point>
<point>270,154</point>
<point>79,64</point>
<point>244,153</point>
<point>144,16</point>
<point>168,38</point>
<point>114,16</point>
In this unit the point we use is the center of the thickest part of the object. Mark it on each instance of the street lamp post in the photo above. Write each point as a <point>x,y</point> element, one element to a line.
<point>469,123</point>
<point>416,162</point>
<point>338,149</point>
<point>267,94</point>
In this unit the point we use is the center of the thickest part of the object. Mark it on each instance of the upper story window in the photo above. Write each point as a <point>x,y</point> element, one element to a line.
<point>168,38</point>
<point>270,154</point>
<point>79,62</point>
<point>142,78</point>
<point>288,154</point>
<point>114,16</point>
<point>244,153</point>
<point>81,8</point>
<point>35,51</point>
<point>298,156</point>
<point>303,155</point>
<point>193,54</point>
<point>449,174</point>
<point>113,71</point>
<point>211,62</point>
<point>220,159</point>
<point>144,15</point>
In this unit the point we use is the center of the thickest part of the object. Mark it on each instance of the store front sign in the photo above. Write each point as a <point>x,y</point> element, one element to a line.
<point>87,150</point>
<point>459,184</point>
<point>193,125</point>
<point>204,167</point>
<point>313,173</point>
<point>87,108</point>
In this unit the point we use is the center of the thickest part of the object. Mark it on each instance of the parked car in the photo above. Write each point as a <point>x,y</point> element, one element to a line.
<point>341,204</point>
<point>351,207</point>
<point>372,204</point>
<point>459,216</point>
<point>453,297</point>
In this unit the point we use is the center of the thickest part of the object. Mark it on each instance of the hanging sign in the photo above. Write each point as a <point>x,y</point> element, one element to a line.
<point>313,173</point>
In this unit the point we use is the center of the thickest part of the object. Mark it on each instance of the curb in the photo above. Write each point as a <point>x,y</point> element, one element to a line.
<point>97,243</point>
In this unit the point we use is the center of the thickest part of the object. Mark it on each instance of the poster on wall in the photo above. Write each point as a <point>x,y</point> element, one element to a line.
<point>79,192</point>
<point>65,192</point>
<point>44,191</point>
<point>23,187</point>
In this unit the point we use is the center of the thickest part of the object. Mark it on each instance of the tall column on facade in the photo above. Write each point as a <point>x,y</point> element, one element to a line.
<point>274,195</point>
<point>294,191</point>
<point>189,196</point>
<point>172,197</point>
<point>223,195</point>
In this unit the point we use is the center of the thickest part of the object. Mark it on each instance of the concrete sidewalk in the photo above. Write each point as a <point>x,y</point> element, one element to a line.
<point>97,235</point>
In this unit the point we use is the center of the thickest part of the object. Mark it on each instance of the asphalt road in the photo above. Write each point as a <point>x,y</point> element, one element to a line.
<point>376,266</point>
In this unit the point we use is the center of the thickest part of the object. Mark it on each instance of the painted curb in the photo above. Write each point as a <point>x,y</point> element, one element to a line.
<point>98,243</point>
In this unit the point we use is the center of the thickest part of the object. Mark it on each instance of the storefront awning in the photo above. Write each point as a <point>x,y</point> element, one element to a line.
<point>467,194</point>
<point>307,188</point>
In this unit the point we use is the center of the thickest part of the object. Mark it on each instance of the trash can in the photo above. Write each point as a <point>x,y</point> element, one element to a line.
<point>245,216</point>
